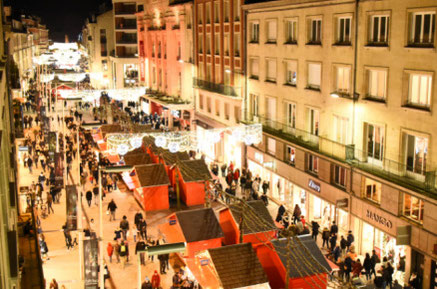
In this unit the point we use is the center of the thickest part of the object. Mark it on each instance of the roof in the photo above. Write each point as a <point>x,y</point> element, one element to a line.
<point>238,266</point>
<point>137,159</point>
<point>194,171</point>
<point>249,225</point>
<point>307,266</point>
<point>110,128</point>
<point>172,158</point>
<point>199,225</point>
<point>150,141</point>
<point>141,128</point>
<point>152,175</point>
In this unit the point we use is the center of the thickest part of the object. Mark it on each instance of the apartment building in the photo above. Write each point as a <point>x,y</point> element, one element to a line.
<point>124,58</point>
<point>219,82</point>
<point>98,38</point>
<point>165,47</point>
<point>347,113</point>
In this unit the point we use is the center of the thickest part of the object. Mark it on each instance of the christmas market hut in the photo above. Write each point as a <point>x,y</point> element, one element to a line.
<point>306,265</point>
<point>152,189</point>
<point>192,176</point>
<point>252,218</point>
<point>229,267</point>
<point>199,228</point>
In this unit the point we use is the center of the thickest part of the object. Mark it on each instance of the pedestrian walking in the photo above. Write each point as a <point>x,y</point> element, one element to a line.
<point>334,228</point>
<point>156,280</point>
<point>296,213</point>
<point>141,246</point>
<point>124,225</point>
<point>367,265</point>
<point>143,229</point>
<point>89,197</point>
<point>315,230</point>
<point>29,164</point>
<point>146,284</point>
<point>116,251</point>
<point>110,251</point>
<point>350,239</point>
<point>123,254</point>
<point>375,260</point>
<point>332,241</point>
<point>112,207</point>
<point>49,203</point>
<point>325,237</point>
<point>138,218</point>
<point>54,284</point>
<point>343,245</point>
<point>96,195</point>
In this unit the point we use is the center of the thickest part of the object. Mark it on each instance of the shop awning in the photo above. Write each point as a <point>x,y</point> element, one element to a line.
<point>168,102</point>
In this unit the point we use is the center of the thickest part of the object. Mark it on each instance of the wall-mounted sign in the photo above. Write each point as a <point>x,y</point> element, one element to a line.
<point>172,222</point>
<point>204,262</point>
<point>379,219</point>
<point>314,185</point>
<point>342,203</point>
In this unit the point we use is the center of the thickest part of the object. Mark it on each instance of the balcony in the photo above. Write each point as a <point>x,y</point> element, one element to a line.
<point>127,40</point>
<point>126,26</point>
<point>125,11</point>
<point>390,170</point>
<point>215,87</point>
<point>176,27</point>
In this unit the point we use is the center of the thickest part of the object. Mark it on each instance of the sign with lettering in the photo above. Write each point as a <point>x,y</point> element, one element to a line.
<point>343,203</point>
<point>314,185</point>
<point>379,219</point>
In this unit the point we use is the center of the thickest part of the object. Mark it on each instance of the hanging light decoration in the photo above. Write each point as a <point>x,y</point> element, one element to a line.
<point>173,147</point>
<point>160,141</point>
<point>73,77</point>
<point>136,142</point>
<point>47,77</point>
<point>122,149</point>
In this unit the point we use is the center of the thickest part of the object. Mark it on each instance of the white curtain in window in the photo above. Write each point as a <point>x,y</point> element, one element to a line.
<point>377,83</point>
<point>314,74</point>
<point>420,89</point>
<point>271,32</point>
<point>271,69</point>
<point>254,70</point>
<point>343,78</point>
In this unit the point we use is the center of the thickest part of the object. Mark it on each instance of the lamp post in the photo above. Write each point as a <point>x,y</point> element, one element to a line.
<point>159,250</point>
<point>114,169</point>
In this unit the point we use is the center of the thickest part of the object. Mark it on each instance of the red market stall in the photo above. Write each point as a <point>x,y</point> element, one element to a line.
<point>235,266</point>
<point>192,177</point>
<point>169,160</point>
<point>150,148</point>
<point>152,190</point>
<point>253,231</point>
<point>137,159</point>
<point>307,266</point>
<point>199,228</point>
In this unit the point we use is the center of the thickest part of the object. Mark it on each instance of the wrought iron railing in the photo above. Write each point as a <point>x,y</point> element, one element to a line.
<point>215,87</point>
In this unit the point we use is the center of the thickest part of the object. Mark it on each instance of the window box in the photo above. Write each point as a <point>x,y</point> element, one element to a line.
<point>254,42</point>
<point>377,44</point>
<point>343,44</point>
<point>374,99</point>
<point>290,42</point>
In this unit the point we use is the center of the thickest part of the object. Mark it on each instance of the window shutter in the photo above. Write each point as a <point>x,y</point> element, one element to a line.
<point>255,68</point>
<point>271,30</point>
<point>314,74</point>
<point>271,69</point>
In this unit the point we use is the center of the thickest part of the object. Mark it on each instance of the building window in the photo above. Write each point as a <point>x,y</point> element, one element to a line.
<point>254,104</point>
<point>226,8</point>
<point>217,44</point>
<point>291,114</point>
<point>271,70</point>
<point>416,153</point>
<point>344,30</point>
<point>377,83</point>
<point>372,190</point>
<point>201,101</point>
<point>271,31</point>
<point>208,13</point>
<point>291,31</point>
<point>291,155</point>
<point>254,68</point>
<point>236,10</point>
<point>254,32</point>
<point>422,29</point>
<point>217,107</point>
<point>208,104</point>
<point>271,146</point>
<point>237,113</point>
<point>313,121</point>
<point>343,79</point>
<point>413,208</point>
<point>378,30</point>
<point>226,43</point>
<point>217,74</point>
<point>374,142</point>
<point>313,163</point>
<point>208,44</point>
<point>105,65</point>
<point>216,11</point>
<point>314,75</point>
<point>315,31</point>
<point>419,90</point>
<point>237,45</point>
<point>341,129</point>
<point>200,43</point>
<point>200,14</point>
<point>339,176</point>
<point>291,72</point>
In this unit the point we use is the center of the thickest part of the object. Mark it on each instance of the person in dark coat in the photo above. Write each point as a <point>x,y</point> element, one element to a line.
<point>138,218</point>
<point>375,260</point>
<point>347,267</point>
<point>315,230</point>
<point>89,197</point>
<point>343,245</point>
<point>325,237</point>
<point>333,241</point>
<point>350,239</point>
<point>367,265</point>
<point>334,228</point>
<point>281,211</point>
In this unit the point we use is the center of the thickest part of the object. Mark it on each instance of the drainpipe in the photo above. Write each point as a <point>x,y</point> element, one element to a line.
<point>244,104</point>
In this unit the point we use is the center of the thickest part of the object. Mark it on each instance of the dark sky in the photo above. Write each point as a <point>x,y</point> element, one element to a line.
<point>61,16</point>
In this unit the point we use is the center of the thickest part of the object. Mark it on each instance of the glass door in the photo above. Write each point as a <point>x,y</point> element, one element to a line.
<point>375,144</point>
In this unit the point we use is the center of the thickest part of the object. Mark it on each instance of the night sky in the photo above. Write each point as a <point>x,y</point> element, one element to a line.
<point>61,16</point>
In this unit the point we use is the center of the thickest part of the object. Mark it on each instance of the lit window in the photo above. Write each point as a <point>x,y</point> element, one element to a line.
<point>313,121</point>
<point>271,70</point>
<point>291,31</point>
<point>314,75</point>
<point>271,146</point>
<point>291,114</point>
<point>291,72</point>
<point>416,153</point>
<point>341,129</point>
<point>422,29</point>
<point>372,190</point>
<point>291,155</point>
<point>413,208</point>
<point>420,88</point>
<point>375,142</point>
<point>339,176</point>
<point>313,164</point>
<point>379,29</point>
<point>271,31</point>
<point>342,79</point>
<point>377,86</point>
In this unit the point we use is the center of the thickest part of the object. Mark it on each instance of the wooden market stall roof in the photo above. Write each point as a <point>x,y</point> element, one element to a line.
<point>304,262</point>
<point>238,266</point>
<point>151,175</point>
<point>257,208</point>
<point>199,225</point>
<point>194,171</point>
<point>172,158</point>
<point>142,128</point>
<point>110,128</point>
<point>137,159</point>
<point>150,141</point>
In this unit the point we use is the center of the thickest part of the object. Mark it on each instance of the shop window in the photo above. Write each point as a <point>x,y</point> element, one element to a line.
<point>291,155</point>
<point>413,208</point>
<point>313,164</point>
<point>339,176</point>
<point>271,146</point>
<point>372,190</point>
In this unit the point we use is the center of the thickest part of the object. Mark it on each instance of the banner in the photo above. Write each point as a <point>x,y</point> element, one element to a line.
<point>71,194</point>
<point>59,170</point>
<point>52,146</point>
<point>91,265</point>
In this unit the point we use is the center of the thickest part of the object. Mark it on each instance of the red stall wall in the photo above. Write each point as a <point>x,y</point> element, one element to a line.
<point>259,237</point>
<point>272,265</point>
<point>229,227</point>
<point>194,247</point>
<point>155,198</point>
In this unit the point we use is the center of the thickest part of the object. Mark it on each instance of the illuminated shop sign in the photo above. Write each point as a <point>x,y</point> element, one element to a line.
<point>314,185</point>
<point>379,219</point>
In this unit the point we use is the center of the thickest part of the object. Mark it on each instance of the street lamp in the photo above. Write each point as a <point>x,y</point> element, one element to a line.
<point>112,169</point>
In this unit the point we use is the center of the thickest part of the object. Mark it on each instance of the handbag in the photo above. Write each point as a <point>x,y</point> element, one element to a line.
<point>107,212</point>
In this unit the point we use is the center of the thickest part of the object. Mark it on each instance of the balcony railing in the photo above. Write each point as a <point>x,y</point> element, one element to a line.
<point>126,26</point>
<point>127,40</point>
<point>125,11</point>
<point>215,87</point>
<point>391,170</point>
